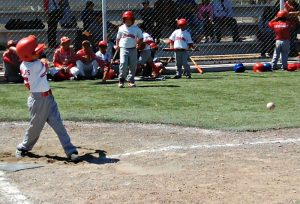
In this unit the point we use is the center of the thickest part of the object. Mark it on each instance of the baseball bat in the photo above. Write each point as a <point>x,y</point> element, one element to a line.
<point>198,68</point>
<point>115,55</point>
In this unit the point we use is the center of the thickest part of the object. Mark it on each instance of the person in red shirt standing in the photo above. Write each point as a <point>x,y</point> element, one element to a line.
<point>64,61</point>
<point>11,63</point>
<point>87,61</point>
<point>282,28</point>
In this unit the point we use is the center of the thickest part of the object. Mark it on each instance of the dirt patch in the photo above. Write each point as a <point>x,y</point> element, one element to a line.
<point>136,163</point>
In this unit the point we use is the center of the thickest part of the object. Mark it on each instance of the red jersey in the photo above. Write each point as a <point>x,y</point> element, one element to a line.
<point>282,29</point>
<point>12,58</point>
<point>88,57</point>
<point>64,58</point>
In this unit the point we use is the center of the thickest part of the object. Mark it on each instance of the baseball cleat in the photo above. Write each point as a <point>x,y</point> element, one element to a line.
<point>20,153</point>
<point>121,85</point>
<point>131,85</point>
<point>176,77</point>
<point>74,157</point>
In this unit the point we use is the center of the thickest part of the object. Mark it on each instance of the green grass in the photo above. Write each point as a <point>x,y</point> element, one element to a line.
<point>214,100</point>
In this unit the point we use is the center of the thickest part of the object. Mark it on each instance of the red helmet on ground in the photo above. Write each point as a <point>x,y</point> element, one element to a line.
<point>27,47</point>
<point>282,14</point>
<point>111,74</point>
<point>102,44</point>
<point>182,22</point>
<point>292,67</point>
<point>258,67</point>
<point>128,15</point>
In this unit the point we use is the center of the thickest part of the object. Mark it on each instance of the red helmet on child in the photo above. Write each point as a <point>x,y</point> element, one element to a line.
<point>128,15</point>
<point>282,14</point>
<point>28,46</point>
<point>182,22</point>
<point>102,44</point>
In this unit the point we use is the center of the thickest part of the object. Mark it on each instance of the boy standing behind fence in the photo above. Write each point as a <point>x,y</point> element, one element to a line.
<point>126,42</point>
<point>282,28</point>
<point>181,40</point>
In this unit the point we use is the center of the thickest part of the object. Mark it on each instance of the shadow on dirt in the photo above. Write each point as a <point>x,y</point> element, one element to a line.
<point>88,157</point>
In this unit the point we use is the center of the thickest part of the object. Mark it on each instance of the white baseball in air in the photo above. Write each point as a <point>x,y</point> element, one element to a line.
<point>270,105</point>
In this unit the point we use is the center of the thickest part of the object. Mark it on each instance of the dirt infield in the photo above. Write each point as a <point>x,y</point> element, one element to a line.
<point>157,164</point>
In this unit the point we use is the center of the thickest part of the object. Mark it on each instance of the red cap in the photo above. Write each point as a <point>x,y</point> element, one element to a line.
<point>64,40</point>
<point>182,22</point>
<point>282,14</point>
<point>102,44</point>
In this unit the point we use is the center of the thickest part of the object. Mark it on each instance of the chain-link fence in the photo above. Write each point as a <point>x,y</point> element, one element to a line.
<point>218,27</point>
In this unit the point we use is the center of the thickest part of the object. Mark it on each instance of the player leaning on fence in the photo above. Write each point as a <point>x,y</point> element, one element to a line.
<point>181,40</point>
<point>282,28</point>
<point>129,35</point>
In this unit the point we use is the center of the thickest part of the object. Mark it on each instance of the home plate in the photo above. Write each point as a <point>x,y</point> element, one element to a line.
<point>13,167</point>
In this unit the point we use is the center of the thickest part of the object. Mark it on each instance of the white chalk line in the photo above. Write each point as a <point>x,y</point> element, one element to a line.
<point>11,192</point>
<point>173,148</point>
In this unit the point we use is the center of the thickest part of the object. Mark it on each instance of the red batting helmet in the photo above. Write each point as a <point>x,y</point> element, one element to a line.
<point>292,67</point>
<point>102,44</point>
<point>258,67</point>
<point>282,14</point>
<point>27,47</point>
<point>128,15</point>
<point>182,22</point>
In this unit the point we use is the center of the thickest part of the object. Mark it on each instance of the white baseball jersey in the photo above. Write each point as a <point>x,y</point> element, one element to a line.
<point>105,57</point>
<point>181,39</point>
<point>146,39</point>
<point>35,75</point>
<point>128,36</point>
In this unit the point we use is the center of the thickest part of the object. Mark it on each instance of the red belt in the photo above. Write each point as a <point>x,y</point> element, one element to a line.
<point>45,94</point>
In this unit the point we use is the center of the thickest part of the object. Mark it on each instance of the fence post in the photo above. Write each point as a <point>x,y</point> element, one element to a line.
<point>104,20</point>
<point>281,5</point>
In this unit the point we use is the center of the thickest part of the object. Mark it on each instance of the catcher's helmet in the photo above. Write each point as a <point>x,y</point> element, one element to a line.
<point>239,67</point>
<point>282,14</point>
<point>128,15</point>
<point>102,44</point>
<point>27,47</point>
<point>182,22</point>
<point>267,67</point>
<point>258,67</point>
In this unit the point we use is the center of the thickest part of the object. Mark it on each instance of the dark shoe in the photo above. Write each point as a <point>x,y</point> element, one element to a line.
<point>20,153</point>
<point>188,76</point>
<point>74,157</point>
<point>177,77</point>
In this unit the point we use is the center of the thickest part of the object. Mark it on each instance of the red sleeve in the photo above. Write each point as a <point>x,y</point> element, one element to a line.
<point>80,55</point>
<point>288,7</point>
<point>56,59</point>
<point>46,5</point>
<point>271,24</point>
<point>7,58</point>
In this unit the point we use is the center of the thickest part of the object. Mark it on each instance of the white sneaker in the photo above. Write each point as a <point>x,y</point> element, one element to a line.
<point>131,85</point>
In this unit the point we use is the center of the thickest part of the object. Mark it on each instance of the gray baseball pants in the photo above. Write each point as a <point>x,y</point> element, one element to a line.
<point>282,48</point>
<point>181,58</point>
<point>128,60</point>
<point>44,109</point>
<point>145,56</point>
